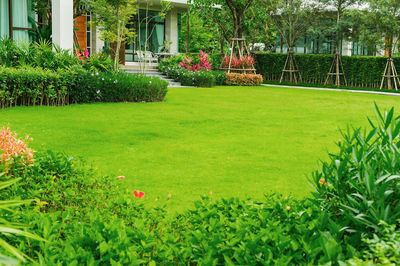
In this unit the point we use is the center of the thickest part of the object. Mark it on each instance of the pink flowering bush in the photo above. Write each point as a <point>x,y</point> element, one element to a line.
<point>15,154</point>
<point>82,55</point>
<point>204,64</point>
<point>245,62</point>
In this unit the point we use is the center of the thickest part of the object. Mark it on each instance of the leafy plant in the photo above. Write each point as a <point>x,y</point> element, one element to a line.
<point>359,186</point>
<point>8,227</point>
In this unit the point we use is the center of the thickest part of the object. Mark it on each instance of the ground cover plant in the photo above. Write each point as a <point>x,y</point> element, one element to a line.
<point>84,218</point>
<point>274,135</point>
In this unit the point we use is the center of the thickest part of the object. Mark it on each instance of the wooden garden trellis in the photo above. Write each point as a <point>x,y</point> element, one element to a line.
<point>389,74</point>
<point>238,50</point>
<point>291,68</point>
<point>336,71</point>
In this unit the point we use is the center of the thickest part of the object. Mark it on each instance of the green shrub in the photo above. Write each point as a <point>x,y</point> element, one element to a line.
<point>220,77</point>
<point>382,249</point>
<point>45,55</point>
<point>360,186</point>
<point>197,78</point>
<point>32,86</point>
<point>361,71</point>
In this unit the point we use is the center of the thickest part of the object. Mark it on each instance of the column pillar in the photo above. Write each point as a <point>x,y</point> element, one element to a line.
<point>63,23</point>
<point>171,30</point>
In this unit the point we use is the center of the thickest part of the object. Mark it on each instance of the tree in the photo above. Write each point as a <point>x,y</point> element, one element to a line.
<point>292,19</point>
<point>203,34</point>
<point>229,15</point>
<point>112,16</point>
<point>380,27</point>
<point>337,29</point>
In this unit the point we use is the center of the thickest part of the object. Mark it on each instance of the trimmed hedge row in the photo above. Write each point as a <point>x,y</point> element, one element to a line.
<point>361,71</point>
<point>32,86</point>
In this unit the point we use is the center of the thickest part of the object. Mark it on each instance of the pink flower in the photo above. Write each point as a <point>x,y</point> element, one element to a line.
<point>138,194</point>
<point>169,196</point>
<point>288,208</point>
<point>121,177</point>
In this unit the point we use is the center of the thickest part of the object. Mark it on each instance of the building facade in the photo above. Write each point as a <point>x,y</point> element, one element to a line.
<point>160,34</point>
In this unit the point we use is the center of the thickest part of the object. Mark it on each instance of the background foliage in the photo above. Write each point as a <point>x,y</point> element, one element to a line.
<point>361,71</point>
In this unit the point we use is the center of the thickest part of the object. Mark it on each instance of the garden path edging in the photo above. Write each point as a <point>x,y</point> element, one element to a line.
<point>332,89</point>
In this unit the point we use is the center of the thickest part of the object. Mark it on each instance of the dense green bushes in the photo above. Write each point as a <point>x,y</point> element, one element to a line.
<point>48,57</point>
<point>359,186</point>
<point>33,86</point>
<point>196,78</point>
<point>361,71</point>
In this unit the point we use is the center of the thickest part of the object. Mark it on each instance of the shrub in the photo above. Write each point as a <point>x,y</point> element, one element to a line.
<point>191,65</point>
<point>45,55</point>
<point>243,79</point>
<point>30,86</point>
<point>15,154</point>
<point>246,62</point>
<point>361,71</point>
<point>360,186</point>
<point>220,77</point>
<point>198,79</point>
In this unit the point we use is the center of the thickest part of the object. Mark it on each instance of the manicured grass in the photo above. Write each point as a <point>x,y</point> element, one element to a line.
<point>235,141</point>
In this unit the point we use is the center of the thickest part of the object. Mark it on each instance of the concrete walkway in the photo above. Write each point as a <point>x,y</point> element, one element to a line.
<point>331,89</point>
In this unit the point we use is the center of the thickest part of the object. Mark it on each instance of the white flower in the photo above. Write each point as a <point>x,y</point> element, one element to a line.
<point>97,73</point>
<point>115,81</point>
<point>102,79</point>
<point>98,91</point>
<point>150,82</point>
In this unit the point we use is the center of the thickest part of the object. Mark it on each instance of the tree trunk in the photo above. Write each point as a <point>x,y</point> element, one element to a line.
<point>116,59</point>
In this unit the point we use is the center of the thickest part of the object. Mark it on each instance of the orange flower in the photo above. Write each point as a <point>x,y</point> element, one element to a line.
<point>138,194</point>
<point>288,208</point>
<point>121,177</point>
<point>169,196</point>
<point>321,181</point>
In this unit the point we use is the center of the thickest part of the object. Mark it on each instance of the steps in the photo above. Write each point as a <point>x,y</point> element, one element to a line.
<point>153,72</point>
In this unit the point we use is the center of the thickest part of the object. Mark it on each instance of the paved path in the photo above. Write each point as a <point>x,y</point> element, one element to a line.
<point>331,89</point>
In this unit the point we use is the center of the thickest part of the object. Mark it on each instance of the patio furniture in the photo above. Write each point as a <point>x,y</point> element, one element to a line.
<point>147,56</point>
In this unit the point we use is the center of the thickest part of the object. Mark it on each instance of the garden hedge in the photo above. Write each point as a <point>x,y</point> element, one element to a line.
<point>361,71</point>
<point>34,86</point>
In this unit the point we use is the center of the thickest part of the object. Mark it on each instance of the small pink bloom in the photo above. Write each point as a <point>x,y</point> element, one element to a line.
<point>121,177</point>
<point>169,196</point>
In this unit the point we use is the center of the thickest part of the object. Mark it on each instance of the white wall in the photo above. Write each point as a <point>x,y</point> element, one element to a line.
<point>63,23</point>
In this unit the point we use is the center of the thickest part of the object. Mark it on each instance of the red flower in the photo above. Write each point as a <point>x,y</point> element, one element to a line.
<point>121,177</point>
<point>138,194</point>
<point>321,181</point>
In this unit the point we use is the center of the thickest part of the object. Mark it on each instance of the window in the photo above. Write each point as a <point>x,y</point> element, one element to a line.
<point>14,19</point>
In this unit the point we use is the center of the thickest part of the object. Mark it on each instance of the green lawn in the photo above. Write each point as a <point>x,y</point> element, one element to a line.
<point>235,141</point>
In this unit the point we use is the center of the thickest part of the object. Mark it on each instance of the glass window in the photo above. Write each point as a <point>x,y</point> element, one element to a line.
<point>20,20</point>
<point>4,18</point>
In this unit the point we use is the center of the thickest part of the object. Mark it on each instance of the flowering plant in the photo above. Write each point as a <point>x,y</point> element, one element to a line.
<point>14,151</point>
<point>244,62</point>
<point>204,64</point>
<point>82,55</point>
